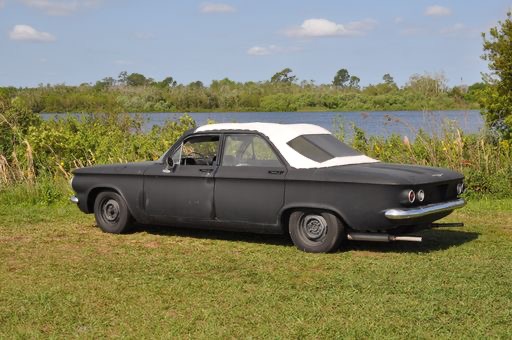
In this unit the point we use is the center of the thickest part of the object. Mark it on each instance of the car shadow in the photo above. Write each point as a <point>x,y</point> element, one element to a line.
<point>433,240</point>
<point>234,236</point>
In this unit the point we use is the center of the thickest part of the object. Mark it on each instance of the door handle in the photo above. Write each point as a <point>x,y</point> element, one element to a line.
<point>276,172</point>
<point>206,170</point>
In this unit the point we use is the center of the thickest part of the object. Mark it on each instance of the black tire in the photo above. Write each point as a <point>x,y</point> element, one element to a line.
<point>111,212</point>
<point>316,231</point>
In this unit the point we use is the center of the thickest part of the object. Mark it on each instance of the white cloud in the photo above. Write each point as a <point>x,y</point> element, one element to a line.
<point>270,49</point>
<point>28,33</point>
<point>60,7</point>
<point>316,28</point>
<point>398,20</point>
<point>438,11</point>
<point>209,7</point>
<point>260,50</point>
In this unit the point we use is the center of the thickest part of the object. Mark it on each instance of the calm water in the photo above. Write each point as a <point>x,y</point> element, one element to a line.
<point>405,123</point>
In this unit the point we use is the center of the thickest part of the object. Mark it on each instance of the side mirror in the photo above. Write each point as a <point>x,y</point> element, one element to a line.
<point>170,162</point>
<point>170,165</point>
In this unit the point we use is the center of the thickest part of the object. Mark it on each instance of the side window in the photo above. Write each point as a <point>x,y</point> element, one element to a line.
<point>248,150</point>
<point>200,150</point>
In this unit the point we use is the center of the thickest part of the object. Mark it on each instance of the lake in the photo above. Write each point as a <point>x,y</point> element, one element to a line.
<point>377,123</point>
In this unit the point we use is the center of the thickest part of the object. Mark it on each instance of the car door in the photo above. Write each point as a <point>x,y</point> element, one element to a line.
<point>249,184</point>
<point>183,192</point>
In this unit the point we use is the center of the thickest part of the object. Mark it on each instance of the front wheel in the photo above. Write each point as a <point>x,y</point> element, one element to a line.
<point>111,212</point>
<point>316,231</point>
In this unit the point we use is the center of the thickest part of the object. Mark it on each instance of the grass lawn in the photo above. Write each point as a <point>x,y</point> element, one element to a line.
<point>60,276</point>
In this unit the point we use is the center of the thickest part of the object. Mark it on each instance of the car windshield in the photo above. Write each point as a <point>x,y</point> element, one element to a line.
<point>321,148</point>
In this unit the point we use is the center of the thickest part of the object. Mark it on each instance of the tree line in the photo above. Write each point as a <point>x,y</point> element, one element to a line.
<point>135,92</point>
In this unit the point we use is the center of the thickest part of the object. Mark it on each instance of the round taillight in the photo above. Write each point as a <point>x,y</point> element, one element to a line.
<point>420,195</point>
<point>460,188</point>
<point>411,196</point>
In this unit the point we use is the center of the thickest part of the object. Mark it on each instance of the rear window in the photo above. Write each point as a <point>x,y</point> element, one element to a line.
<point>321,148</point>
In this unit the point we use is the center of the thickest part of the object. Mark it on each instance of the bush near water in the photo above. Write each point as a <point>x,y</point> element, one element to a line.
<point>36,156</point>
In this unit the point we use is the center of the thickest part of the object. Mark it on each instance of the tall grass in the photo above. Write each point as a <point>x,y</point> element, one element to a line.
<point>483,158</point>
<point>36,156</point>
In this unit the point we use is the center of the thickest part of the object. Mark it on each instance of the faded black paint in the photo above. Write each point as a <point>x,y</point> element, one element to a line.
<point>255,198</point>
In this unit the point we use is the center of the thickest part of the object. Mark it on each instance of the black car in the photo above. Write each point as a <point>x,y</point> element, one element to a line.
<point>270,178</point>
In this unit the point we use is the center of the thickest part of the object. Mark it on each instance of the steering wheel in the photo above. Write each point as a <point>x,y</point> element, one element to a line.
<point>197,153</point>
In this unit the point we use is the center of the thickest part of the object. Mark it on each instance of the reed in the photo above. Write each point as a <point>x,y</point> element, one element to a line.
<point>46,151</point>
<point>483,158</point>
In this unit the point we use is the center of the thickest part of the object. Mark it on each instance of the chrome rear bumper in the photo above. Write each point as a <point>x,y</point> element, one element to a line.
<point>407,213</point>
<point>74,199</point>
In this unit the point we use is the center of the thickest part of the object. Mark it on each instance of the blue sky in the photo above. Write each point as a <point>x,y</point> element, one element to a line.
<point>76,41</point>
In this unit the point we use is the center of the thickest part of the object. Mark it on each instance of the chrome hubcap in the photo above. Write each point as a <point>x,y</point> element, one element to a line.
<point>314,226</point>
<point>111,210</point>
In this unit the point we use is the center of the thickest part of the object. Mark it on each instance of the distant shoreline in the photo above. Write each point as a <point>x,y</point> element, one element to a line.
<point>250,111</point>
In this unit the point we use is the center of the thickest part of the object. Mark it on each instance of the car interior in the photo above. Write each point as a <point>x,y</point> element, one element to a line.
<point>199,150</point>
<point>248,150</point>
<point>239,150</point>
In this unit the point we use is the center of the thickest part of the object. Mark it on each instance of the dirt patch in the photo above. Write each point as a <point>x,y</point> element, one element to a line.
<point>366,253</point>
<point>18,239</point>
<point>152,245</point>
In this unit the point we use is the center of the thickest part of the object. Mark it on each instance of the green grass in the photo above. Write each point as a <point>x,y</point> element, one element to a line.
<point>61,277</point>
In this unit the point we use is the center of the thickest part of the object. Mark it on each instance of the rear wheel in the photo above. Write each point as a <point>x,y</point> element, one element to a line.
<point>111,212</point>
<point>315,231</point>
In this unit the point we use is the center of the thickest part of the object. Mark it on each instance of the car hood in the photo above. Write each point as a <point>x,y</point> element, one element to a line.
<point>135,168</point>
<point>386,173</point>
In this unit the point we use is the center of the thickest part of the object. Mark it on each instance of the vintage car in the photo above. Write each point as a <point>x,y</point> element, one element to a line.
<point>270,178</point>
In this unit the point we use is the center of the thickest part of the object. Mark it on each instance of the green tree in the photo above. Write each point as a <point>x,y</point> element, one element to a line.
<point>121,78</point>
<point>167,82</point>
<point>475,91</point>
<point>223,84</point>
<point>136,79</point>
<point>341,78</point>
<point>428,84</point>
<point>388,80</point>
<point>105,83</point>
<point>353,83</point>
<point>196,85</point>
<point>496,99</point>
<point>283,76</point>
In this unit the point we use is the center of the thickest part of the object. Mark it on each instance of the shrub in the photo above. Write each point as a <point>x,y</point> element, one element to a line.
<point>38,154</point>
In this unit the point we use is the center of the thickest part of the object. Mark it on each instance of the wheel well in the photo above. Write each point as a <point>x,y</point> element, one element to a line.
<point>285,216</point>
<point>93,194</point>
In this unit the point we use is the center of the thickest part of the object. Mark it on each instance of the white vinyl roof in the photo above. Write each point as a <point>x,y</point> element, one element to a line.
<point>281,134</point>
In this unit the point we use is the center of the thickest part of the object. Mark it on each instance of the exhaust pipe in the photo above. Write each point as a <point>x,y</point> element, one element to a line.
<point>447,225</point>
<point>375,237</point>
